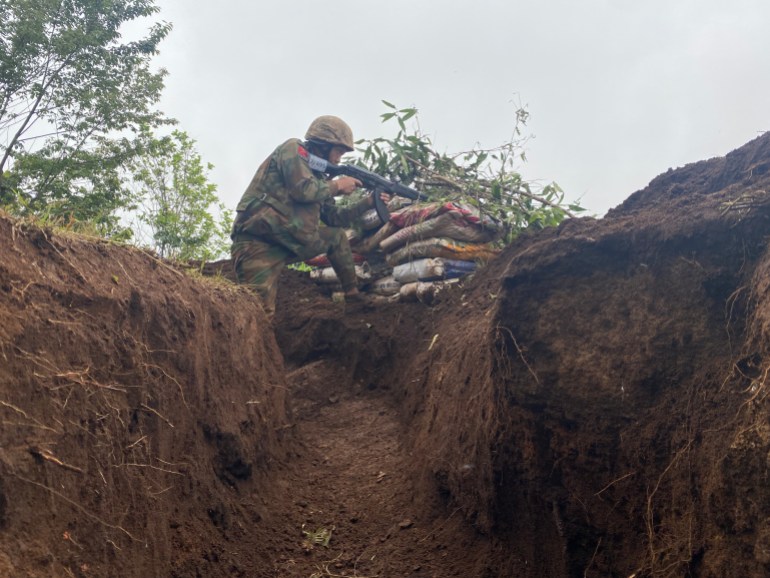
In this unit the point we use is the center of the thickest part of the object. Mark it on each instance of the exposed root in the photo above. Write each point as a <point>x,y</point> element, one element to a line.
<point>26,416</point>
<point>591,562</point>
<point>520,352</point>
<point>744,202</point>
<point>67,261</point>
<point>135,465</point>
<point>659,554</point>
<point>325,572</point>
<point>77,506</point>
<point>613,482</point>
<point>48,456</point>
<point>179,385</point>
<point>151,410</point>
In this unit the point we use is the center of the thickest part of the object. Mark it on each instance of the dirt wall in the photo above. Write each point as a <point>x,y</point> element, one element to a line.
<point>611,419</point>
<point>139,408</point>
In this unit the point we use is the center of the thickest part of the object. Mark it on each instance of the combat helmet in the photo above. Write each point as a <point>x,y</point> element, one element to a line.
<point>331,130</point>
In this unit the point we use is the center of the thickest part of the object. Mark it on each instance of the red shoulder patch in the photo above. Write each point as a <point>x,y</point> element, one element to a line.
<point>302,152</point>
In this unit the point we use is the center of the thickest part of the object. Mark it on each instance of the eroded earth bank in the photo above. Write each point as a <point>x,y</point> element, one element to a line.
<point>591,403</point>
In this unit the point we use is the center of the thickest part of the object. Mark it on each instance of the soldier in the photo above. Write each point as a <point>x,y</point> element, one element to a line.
<point>288,214</point>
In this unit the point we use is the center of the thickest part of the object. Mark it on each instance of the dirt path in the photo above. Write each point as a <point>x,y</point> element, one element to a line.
<point>350,483</point>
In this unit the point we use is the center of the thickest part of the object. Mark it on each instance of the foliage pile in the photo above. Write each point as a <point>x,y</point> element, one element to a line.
<point>486,178</point>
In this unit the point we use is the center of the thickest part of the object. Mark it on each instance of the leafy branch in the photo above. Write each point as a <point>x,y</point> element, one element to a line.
<point>486,178</point>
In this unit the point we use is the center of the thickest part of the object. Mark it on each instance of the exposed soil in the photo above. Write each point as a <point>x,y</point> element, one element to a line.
<point>592,403</point>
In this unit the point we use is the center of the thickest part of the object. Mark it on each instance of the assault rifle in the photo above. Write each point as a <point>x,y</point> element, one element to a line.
<point>376,183</point>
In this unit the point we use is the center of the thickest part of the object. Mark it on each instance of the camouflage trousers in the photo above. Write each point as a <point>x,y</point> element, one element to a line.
<point>258,262</point>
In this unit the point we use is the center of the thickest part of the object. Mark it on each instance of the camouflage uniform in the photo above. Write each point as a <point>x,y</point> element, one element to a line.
<point>286,215</point>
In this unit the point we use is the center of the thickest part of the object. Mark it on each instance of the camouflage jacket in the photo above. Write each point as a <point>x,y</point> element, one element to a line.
<point>285,193</point>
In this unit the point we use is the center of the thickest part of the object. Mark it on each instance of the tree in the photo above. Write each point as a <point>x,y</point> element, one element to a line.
<point>68,85</point>
<point>175,199</point>
<point>484,178</point>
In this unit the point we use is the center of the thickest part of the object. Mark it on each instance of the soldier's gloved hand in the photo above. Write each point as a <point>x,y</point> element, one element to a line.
<point>346,185</point>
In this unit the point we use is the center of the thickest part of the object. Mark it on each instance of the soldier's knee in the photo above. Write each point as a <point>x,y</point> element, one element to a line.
<point>337,239</point>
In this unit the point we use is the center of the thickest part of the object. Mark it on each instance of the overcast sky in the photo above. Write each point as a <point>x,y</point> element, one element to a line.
<point>618,90</point>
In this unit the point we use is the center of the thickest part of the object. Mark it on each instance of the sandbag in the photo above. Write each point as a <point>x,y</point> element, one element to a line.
<point>385,286</point>
<point>420,212</point>
<point>370,220</point>
<point>372,242</point>
<point>419,269</point>
<point>432,269</point>
<point>327,275</point>
<point>424,291</point>
<point>449,225</point>
<point>444,248</point>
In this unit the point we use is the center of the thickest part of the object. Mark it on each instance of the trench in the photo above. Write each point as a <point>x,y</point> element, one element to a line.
<point>354,506</point>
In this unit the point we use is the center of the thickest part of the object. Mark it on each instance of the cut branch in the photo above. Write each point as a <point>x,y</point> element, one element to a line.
<point>487,184</point>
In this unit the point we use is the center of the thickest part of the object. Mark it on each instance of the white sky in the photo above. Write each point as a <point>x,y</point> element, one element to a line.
<point>618,90</point>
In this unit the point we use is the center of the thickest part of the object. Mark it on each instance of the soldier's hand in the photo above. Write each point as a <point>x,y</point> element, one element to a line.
<point>346,185</point>
<point>385,197</point>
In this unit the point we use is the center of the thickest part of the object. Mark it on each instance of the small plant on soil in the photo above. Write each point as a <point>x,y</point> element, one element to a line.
<point>319,537</point>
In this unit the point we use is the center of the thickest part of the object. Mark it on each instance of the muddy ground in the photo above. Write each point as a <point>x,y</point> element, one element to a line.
<point>592,403</point>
